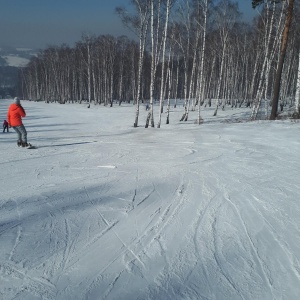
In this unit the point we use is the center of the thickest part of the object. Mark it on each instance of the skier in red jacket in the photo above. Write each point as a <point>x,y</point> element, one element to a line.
<point>14,116</point>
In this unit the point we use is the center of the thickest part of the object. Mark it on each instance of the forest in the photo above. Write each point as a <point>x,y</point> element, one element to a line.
<point>196,50</point>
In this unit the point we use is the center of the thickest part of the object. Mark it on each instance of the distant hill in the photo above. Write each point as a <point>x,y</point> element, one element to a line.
<point>15,57</point>
<point>11,61</point>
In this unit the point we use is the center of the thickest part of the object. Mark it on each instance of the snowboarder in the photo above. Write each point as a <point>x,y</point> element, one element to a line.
<point>15,114</point>
<point>5,126</point>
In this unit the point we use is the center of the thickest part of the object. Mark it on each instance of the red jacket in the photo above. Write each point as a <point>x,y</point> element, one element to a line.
<point>15,114</point>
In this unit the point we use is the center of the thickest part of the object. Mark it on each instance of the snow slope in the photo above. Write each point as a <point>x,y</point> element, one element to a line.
<point>15,61</point>
<point>102,210</point>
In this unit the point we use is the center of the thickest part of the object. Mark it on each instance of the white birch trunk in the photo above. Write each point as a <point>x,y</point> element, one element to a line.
<point>297,96</point>
<point>220,77</point>
<point>202,60</point>
<point>192,76</point>
<point>163,62</point>
<point>262,78</point>
<point>176,83</point>
<point>150,115</point>
<point>142,41</point>
<point>89,71</point>
<point>268,58</point>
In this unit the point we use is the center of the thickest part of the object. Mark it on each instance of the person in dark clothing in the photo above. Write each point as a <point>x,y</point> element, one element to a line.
<point>5,126</point>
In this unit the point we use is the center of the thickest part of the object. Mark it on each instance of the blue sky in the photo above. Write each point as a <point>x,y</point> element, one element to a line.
<point>40,23</point>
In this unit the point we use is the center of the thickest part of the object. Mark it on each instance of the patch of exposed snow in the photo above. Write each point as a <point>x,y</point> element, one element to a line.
<point>15,61</point>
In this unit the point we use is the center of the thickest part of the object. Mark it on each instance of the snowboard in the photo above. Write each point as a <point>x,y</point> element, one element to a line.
<point>29,147</point>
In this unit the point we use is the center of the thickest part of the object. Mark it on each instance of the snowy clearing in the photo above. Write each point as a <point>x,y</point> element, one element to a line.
<point>102,210</point>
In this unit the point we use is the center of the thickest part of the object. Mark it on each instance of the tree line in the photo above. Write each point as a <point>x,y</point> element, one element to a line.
<point>193,50</point>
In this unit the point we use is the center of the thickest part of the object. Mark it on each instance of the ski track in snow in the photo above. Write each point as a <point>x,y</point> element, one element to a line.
<point>260,263</point>
<point>19,233</point>
<point>182,212</point>
<point>139,244</point>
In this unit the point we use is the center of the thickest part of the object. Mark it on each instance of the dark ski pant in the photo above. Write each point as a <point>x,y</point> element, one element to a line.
<point>22,133</point>
<point>5,127</point>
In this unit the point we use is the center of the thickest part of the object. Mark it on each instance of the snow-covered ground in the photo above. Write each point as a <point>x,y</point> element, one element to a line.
<point>102,210</point>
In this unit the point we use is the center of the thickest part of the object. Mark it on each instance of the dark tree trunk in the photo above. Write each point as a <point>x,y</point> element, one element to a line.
<point>284,41</point>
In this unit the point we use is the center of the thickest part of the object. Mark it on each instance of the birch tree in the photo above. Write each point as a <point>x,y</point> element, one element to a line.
<point>162,94</point>
<point>283,48</point>
<point>269,31</point>
<point>284,41</point>
<point>85,47</point>
<point>225,61</point>
<point>226,16</point>
<point>139,24</point>
<point>297,95</point>
<point>201,7</point>
<point>157,42</point>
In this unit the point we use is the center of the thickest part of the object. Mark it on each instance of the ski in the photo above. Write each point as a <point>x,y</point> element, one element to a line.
<point>31,146</point>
